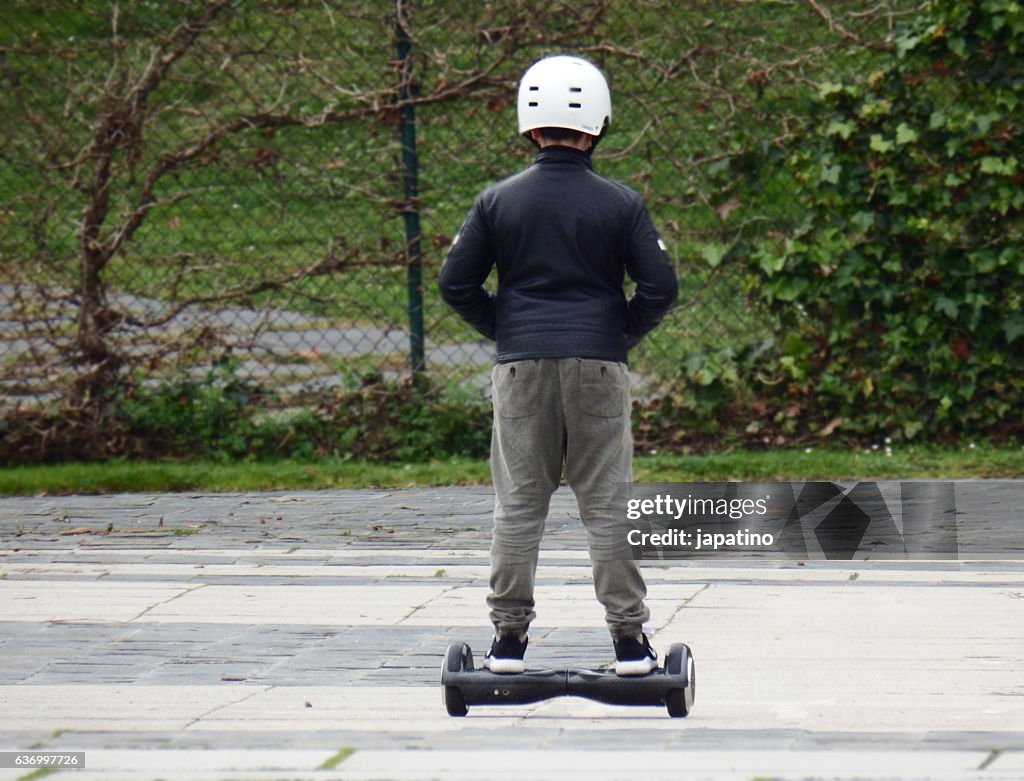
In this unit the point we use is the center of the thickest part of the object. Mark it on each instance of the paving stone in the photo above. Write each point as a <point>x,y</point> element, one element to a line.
<point>216,640</point>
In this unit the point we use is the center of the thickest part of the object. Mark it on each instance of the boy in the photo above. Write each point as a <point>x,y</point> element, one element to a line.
<point>563,238</point>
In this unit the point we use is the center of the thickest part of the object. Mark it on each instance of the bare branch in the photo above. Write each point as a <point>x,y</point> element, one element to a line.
<point>835,26</point>
<point>328,264</point>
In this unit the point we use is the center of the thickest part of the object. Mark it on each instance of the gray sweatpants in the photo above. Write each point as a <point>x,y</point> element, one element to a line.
<point>546,412</point>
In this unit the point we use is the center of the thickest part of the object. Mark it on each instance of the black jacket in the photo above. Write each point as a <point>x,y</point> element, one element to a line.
<point>562,238</point>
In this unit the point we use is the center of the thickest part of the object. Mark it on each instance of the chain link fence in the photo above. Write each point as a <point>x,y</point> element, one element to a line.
<point>274,183</point>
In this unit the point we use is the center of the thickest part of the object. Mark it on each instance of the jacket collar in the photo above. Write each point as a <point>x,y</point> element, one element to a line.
<point>564,155</point>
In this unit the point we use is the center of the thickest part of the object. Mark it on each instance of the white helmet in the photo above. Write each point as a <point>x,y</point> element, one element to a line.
<point>567,92</point>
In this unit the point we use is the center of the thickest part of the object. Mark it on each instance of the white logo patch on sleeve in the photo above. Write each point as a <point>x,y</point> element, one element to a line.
<point>662,245</point>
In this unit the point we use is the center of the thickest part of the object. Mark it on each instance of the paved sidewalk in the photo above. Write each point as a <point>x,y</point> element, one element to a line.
<point>300,636</point>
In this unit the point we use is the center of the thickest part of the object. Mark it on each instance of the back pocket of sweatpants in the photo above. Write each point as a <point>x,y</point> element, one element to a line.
<point>602,389</point>
<point>515,389</point>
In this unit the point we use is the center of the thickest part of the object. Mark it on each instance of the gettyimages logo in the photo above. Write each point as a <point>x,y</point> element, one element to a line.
<point>818,520</point>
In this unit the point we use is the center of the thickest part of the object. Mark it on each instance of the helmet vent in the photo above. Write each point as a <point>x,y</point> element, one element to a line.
<point>534,89</point>
<point>575,105</point>
<point>575,89</point>
<point>532,104</point>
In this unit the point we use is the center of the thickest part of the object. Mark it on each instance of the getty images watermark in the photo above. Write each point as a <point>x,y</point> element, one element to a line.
<point>821,520</point>
<point>675,509</point>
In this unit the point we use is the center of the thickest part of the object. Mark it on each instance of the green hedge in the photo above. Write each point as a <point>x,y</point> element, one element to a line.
<point>901,293</point>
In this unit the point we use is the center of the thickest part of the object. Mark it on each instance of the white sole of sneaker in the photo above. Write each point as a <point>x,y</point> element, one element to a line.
<point>504,665</point>
<point>639,667</point>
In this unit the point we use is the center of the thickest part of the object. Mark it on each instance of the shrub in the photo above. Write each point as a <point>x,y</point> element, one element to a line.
<point>901,293</point>
<point>219,416</point>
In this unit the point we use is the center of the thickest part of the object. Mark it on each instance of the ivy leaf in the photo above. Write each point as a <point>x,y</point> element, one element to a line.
<point>907,43</point>
<point>864,220</point>
<point>828,89</point>
<point>831,174</point>
<point>1013,327</point>
<point>879,144</point>
<point>947,306</point>
<point>771,263</point>
<point>993,165</point>
<point>905,134</point>
<point>985,121</point>
<point>714,254</point>
<point>842,129</point>
<point>789,288</point>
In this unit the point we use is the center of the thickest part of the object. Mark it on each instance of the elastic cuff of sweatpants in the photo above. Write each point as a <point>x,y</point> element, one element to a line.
<point>622,632</point>
<point>504,629</point>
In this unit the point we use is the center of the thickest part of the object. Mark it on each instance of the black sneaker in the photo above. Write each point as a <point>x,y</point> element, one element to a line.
<point>634,657</point>
<point>506,654</point>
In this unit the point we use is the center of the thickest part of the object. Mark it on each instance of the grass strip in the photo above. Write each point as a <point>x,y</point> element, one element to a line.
<point>915,463</point>
<point>332,762</point>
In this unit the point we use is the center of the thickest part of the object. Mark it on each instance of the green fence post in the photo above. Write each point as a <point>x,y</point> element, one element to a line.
<point>411,206</point>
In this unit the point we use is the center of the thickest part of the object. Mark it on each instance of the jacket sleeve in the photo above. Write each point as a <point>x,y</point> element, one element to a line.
<point>464,272</point>
<point>648,265</point>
